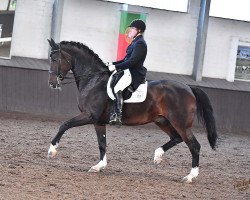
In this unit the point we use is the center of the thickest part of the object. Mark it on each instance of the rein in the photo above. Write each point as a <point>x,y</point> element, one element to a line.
<point>77,78</point>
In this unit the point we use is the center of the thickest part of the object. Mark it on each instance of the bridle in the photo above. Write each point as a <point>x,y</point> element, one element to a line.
<point>59,74</point>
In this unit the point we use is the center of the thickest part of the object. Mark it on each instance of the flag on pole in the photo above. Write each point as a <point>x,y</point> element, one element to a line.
<point>123,42</point>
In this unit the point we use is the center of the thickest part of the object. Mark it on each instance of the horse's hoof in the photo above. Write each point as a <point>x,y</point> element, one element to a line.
<point>52,151</point>
<point>192,175</point>
<point>157,160</point>
<point>92,169</point>
<point>52,154</point>
<point>186,179</point>
<point>158,156</point>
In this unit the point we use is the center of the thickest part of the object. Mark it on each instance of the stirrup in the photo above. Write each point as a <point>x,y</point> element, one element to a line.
<point>115,120</point>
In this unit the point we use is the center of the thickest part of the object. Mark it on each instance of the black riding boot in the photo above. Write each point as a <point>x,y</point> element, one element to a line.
<point>116,117</point>
<point>113,114</point>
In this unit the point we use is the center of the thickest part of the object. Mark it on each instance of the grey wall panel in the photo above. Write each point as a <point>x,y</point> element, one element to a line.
<point>26,90</point>
<point>232,110</point>
<point>1,88</point>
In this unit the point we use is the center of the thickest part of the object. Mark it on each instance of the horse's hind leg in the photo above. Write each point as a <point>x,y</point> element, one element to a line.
<point>101,137</point>
<point>194,148</point>
<point>79,120</point>
<point>174,139</point>
<point>177,136</point>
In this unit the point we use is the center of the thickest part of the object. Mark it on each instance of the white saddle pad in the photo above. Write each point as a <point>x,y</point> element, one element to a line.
<point>137,96</point>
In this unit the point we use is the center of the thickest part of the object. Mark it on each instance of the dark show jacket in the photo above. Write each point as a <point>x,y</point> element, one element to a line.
<point>134,59</point>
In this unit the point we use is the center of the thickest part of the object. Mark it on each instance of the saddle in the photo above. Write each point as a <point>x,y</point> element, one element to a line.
<point>129,94</point>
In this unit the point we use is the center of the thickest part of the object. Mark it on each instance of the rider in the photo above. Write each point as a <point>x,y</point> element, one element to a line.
<point>134,59</point>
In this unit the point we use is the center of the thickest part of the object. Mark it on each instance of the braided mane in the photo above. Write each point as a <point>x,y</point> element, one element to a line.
<point>83,47</point>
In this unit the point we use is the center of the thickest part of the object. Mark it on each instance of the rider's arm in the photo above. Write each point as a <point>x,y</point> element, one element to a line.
<point>118,62</point>
<point>139,53</point>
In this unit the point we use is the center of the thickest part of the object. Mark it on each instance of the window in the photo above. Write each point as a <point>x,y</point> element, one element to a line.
<point>12,5</point>
<point>242,70</point>
<point>7,12</point>
<point>7,5</point>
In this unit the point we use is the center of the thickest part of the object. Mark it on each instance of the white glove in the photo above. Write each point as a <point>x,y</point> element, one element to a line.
<point>111,68</point>
<point>108,63</point>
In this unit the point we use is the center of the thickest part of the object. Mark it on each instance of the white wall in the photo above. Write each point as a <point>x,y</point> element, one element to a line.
<point>32,27</point>
<point>94,23</point>
<point>171,40</point>
<point>170,35</point>
<point>220,46</point>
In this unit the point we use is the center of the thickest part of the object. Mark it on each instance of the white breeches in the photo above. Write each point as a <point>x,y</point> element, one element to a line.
<point>124,81</point>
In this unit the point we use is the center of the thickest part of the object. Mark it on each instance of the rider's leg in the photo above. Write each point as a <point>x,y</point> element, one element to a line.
<point>116,118</point>
<point>122,81</point>
<point>113,109</point>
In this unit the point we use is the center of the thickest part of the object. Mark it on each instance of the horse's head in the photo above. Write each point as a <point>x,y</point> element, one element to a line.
<point>60,64</point>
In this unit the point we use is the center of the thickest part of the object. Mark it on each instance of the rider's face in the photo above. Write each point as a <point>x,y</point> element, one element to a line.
<point>132,32</point>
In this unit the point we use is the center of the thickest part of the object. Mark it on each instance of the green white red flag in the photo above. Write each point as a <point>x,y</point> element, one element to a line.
<point>123,40</point>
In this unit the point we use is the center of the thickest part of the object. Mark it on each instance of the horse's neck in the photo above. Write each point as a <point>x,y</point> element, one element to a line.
<point>84,63</point>
<point>87,72</point>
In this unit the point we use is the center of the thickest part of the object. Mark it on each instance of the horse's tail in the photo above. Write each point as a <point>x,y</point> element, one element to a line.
<point>205,115</point>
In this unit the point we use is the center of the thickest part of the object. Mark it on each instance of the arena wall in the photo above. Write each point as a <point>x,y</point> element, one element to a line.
<point>26,90</point>
<point>170,35</point>
<point>171,40</point>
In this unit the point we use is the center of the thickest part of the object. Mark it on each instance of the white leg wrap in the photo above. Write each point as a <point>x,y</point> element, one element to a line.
<point>193,174</point>
<point>100,166</point>
<point>52,150</point>
<point>158,155</point>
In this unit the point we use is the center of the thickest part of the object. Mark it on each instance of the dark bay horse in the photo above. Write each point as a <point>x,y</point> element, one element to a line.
<point>170,105</point>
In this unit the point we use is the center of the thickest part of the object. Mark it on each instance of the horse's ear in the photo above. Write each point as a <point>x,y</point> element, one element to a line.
<point>52,41</point>
<point>49,42</point>
<point>53,44</point>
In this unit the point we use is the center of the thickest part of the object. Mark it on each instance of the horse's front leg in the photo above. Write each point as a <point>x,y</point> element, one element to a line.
<point>79,120</point>
<point>101,137</point>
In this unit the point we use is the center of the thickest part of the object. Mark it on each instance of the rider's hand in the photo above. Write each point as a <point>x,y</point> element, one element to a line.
<point>111,68</point>
<point>108,63</point>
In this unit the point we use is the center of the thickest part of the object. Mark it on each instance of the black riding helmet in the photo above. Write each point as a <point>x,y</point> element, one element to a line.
<point>139,24</point>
